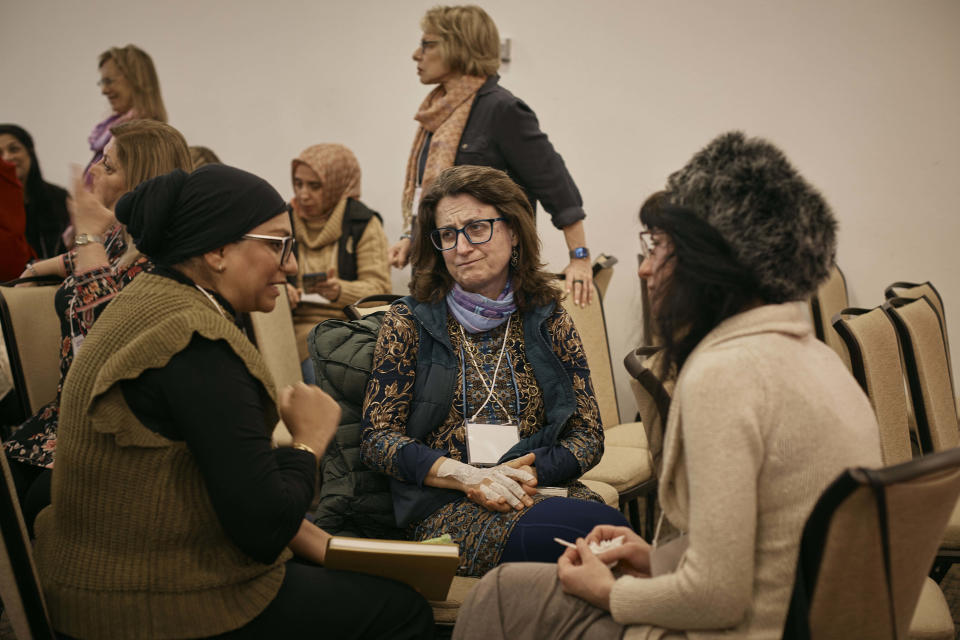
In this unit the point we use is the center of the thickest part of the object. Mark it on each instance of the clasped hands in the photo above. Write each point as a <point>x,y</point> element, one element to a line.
<point>500,488</point>
<point>587,575</point>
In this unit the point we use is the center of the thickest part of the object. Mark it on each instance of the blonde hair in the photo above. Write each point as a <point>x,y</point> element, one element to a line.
<point>203,155</point>
<point>147,149</point>
<point>138,70</point>
<point>469,40</point>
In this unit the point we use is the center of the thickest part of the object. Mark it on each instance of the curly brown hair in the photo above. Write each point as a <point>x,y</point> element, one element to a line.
<point>431,281</point>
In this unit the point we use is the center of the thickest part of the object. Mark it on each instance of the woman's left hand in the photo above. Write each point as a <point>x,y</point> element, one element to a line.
<point>582,574</point>
<point>579,281</point>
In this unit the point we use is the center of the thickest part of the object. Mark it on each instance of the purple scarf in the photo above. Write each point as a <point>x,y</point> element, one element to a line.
<point>477,313</point>
<point>101,135</point>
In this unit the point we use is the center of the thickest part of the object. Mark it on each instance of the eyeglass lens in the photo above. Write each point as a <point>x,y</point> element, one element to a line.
<point>476,232</point>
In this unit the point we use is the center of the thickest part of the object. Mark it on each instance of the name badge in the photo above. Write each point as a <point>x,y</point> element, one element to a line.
<point>486,443</point>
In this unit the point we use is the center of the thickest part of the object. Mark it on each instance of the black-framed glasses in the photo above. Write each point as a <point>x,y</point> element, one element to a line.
<point>426,44</point>
<point>476,232</point>
<point>284,245</point>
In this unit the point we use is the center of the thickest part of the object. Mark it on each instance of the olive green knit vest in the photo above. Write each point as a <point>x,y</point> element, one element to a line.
<point>131,546</point>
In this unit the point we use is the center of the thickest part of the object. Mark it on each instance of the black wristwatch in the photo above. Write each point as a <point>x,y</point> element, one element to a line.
<point>579,252</point>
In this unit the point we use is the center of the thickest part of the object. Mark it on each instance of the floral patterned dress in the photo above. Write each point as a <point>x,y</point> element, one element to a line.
<point>482,534</point>
<point>79,302</point>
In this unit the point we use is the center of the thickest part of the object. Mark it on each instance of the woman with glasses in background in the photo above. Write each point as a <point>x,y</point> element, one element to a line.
<point>129,81</point>
<point>102,262</point>
<point>470,119</point>
<point>341,247</point>
<point>172,515</point>
<point>480,393</point>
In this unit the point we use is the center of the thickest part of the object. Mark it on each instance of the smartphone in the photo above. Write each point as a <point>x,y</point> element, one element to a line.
<point>311,281</point>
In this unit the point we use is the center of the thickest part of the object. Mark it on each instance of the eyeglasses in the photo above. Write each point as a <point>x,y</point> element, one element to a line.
<point>426,44</point>
<point>105,82</point>
<point>649,243</point>
<point>284,245</point>
<point>476,232</point>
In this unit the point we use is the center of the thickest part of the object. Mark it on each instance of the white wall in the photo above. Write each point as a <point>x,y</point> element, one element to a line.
<point>863,95</point>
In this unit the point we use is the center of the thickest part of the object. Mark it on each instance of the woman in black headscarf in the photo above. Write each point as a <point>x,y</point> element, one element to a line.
<point>45,203</point>
<point>172,515</point>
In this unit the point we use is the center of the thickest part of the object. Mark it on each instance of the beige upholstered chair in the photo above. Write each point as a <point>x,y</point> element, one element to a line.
<point>19,583</point>
<point>31,330</point>
<point>927,290</point>
<point>829,299</point>
<point>273,335</point>
<point>927,370</point>
<point>875,362</point>
<point>865,551</point>
<point>626,464</point>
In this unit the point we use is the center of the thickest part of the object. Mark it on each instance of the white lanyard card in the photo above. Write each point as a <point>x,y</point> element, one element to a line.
<point>486,443</point>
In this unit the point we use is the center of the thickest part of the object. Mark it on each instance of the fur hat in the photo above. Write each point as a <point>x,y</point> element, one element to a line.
<point>778,226</point>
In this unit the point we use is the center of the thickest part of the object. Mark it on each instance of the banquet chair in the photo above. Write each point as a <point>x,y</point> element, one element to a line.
<point>925,361</point>
<point>865,550</point>
<point>830,298</point>
<point>20,589</point>
<point>31,330</point>
<point>273,335</point>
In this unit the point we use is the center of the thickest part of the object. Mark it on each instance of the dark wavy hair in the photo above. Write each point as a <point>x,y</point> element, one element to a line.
<point>707,286</point>
<point>35,187</point>
<point>431,281</point>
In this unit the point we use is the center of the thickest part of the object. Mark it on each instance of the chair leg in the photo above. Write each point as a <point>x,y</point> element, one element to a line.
<point>650,503</point>
<point>633,509</point>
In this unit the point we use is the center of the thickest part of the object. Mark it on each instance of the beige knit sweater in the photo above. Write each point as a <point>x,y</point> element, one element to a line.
<point>131,546</point>
<point>764,417</point>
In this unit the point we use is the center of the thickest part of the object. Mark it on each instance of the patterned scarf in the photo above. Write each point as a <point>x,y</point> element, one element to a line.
<point>477,313</point>
<point>101,135</point>
<point>444,113</point>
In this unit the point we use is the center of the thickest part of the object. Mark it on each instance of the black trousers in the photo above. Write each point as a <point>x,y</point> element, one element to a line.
<point>315,602</point>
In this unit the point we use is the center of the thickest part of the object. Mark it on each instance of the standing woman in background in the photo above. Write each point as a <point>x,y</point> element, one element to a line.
<point>341,247</point>
<point>103,261</point>
<point>129,81</point>
<point>470,119</point>
<point>45,203</point>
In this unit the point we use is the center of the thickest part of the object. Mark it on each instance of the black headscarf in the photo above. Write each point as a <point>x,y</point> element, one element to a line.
<point>180,215</point>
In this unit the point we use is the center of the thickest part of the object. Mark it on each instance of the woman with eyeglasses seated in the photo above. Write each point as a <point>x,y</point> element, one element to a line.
<point>102,262</point>
<point>172,515</point>
<point>764,417</point>
<point>480,392</point>
<point>470,119</point>
<point>341,247</point>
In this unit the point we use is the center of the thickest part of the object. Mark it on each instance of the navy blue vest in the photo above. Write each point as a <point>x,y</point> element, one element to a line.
<point>435,386</point>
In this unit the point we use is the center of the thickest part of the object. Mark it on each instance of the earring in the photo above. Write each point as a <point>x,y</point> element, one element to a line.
<point>221,268</point>
<point>514,257</point>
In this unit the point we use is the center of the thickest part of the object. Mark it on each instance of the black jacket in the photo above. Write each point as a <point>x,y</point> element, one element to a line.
<point>502,132</point>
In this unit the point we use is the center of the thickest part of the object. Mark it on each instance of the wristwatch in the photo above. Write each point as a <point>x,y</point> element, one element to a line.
<point>87,238</point>
<point>579,252</point>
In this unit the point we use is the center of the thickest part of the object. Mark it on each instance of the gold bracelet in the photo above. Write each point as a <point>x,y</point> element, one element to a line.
<point>303,447</point>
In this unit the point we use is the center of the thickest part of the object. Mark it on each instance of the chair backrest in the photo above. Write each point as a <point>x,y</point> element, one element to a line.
<point>370,304</point>
<point>927,290</point>
<point>603,272</point>
<point>653,397</point>
<point>19,583</point>
<point>868,527</point>
<point>875,362</point>
<point>275,339</point>
<point>592,327</point>
<point>829,299</point>
<point>928,371</point>
<point>31,330</point>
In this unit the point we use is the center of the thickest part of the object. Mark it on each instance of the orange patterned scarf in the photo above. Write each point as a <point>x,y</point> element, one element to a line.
<point>445,113</point>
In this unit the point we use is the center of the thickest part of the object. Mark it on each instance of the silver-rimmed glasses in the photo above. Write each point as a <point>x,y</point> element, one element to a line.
<point>476,232</point>
<point>282,244</point>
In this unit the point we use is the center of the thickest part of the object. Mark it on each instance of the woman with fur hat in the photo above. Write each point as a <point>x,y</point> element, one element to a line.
<point>763,418</point>
<point>341,247</point>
